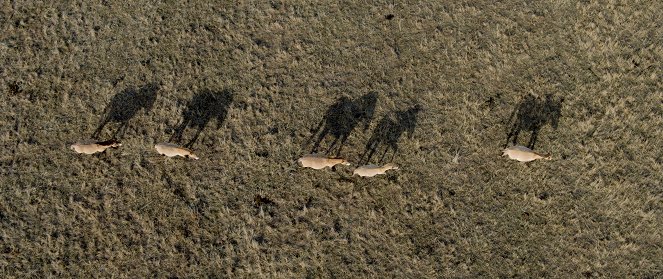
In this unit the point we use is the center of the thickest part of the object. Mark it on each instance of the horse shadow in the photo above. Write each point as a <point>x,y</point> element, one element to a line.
<point>124,106</point>
<point>202,108</point>
<point>341,119</point>
<point>388,132</point>
<point>531,115</point>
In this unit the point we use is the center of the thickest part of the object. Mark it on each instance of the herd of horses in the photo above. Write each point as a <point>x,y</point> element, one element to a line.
<point>343,117</point>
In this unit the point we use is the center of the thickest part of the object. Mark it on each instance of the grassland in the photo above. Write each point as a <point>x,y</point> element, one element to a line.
<point>454,209</point>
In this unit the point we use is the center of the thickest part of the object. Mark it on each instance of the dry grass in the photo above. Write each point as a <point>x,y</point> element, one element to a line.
<point>246,210</point>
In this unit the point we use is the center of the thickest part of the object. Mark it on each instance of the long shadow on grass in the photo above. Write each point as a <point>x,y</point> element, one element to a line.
<point>341,119</point>
<point>531,115</point>
<point>202,108</point>
<point>124,106</point>
<point>388,132</point>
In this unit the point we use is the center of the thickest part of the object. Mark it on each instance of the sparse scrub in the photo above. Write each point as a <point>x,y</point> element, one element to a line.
<point>272,71</point>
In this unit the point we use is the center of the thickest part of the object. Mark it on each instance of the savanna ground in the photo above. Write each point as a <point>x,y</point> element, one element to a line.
<point>246,84</point>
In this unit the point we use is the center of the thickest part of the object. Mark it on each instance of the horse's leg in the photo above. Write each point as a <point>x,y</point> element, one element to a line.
<point>369,150</point>
<point>195,137</point>
<point>386,149</point>
<point>101,126</point>
<point>344,138</point>
<point>512,132</point>
<point>395,149</point>
<point>331,146</point>
<point>176,137</point>
<point>321,137</point>
<point>316,130</point>
<point>532,138</point>
<point>515,132</point>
